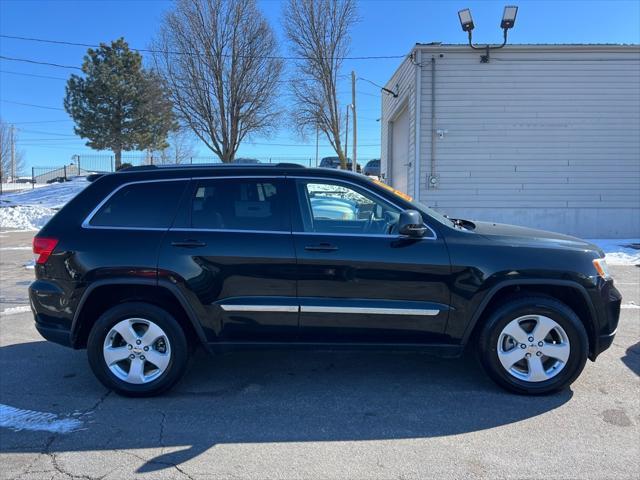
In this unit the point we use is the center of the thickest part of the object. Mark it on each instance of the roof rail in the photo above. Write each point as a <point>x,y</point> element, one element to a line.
<point>138,167</point>
<point>201,165</point>
<point>289,165</point>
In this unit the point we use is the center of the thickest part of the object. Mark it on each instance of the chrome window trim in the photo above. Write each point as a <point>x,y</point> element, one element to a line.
<point>228,230</point>
<point>341,180</point>
<point>86,223</point>
<point>373,235</point>
<point>373,311</point>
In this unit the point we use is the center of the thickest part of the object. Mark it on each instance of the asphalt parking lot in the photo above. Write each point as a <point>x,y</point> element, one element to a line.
<point>310,415</point>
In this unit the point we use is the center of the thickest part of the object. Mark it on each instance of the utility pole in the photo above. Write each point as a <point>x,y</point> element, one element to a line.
<point>12,141</point>
<point>355,120</point>
<point>346,137</point>
<point>317,139</point>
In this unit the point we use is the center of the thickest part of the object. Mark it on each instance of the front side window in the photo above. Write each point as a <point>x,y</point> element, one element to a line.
<point>141,205</point>
<point>240,204</point>
<point>333,207</point>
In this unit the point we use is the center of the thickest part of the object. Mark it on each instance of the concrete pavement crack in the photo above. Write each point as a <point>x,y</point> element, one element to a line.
<point>52,456</point>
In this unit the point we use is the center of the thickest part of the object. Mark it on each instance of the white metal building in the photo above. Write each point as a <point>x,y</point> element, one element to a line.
<point>546,136</point>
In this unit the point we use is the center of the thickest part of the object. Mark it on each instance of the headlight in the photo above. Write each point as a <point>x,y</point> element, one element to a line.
<point>601,267</point>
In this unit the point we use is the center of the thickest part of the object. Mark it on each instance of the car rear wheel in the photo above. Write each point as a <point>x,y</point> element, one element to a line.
<point>533,345</point>
<point>137,349</point>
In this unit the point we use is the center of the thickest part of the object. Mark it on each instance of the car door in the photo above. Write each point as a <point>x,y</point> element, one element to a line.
<point>358,281</point>
<point>231,251</point>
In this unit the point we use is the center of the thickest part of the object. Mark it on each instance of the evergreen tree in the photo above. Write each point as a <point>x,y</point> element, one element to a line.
<point>117,105</point>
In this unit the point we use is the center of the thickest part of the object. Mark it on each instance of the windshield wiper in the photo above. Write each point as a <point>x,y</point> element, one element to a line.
<point>467,225</point>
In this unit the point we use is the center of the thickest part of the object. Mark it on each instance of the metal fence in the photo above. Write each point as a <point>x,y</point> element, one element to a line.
<point>106,163</point>
<point>83,165</point>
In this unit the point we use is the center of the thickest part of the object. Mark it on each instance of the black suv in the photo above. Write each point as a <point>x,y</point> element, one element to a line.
<point>147,263</point>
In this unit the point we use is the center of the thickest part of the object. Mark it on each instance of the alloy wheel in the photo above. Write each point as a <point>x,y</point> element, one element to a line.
<point>533,348</point>
<point>137,350</point>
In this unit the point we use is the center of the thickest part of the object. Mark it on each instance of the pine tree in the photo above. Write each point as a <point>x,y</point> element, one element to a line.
<point>117,105</point>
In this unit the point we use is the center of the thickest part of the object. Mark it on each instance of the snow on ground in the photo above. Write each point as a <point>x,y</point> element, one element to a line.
<point>15,187</point>
<point>31,209</point>
<point>620,251</point>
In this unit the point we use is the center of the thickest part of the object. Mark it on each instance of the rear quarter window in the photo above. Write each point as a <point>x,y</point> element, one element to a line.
<point>141,205</point>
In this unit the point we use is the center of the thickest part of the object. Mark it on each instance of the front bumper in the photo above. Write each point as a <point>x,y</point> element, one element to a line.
<point>607,308</point>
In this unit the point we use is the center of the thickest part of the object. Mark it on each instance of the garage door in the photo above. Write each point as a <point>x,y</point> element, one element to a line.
<point>400,151</point>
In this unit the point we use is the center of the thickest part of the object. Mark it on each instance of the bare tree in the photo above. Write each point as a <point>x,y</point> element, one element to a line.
<point>318,31</point>
<point>9,167</point>
<point>182,147</point>
<point>218,58</point>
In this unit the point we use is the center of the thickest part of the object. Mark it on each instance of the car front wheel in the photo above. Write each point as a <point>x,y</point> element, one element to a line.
<point>533,345</point>
<point>137,349</point>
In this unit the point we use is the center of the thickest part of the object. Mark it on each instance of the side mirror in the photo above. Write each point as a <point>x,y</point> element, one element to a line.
<point>410,224</point>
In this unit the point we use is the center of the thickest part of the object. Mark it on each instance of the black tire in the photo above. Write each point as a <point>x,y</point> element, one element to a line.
<point>538,305</point>
<point>178,355</point>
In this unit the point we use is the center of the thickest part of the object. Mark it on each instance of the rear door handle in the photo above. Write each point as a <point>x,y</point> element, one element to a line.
<point>322,247</point>
<point>189,244</point>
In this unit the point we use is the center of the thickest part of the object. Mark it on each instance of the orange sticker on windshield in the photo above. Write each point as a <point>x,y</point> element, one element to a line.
<point>399,193</point>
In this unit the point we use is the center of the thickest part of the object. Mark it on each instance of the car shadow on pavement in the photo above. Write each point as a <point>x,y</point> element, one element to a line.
<point>632,358</point>
<point>252,397</point>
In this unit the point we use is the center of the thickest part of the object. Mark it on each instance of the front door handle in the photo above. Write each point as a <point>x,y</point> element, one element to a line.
<point>322,247</point>
<point>189,244</point>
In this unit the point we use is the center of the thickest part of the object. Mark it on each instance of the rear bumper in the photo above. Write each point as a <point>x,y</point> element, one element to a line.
<point>51,311</point>
<point>56,335</point>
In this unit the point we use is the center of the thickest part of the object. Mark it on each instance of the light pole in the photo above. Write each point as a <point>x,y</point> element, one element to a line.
<point>317,142</point>
<point>346,136</point>
<point>508,21</point>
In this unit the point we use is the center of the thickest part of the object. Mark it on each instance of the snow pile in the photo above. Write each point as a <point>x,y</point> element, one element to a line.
<point>24,217</point>
<point>31,209</point>
<point>620,251</point>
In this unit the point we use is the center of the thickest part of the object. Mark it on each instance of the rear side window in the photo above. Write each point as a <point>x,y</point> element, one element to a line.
<point>240,204</point>
<point>141,205</point>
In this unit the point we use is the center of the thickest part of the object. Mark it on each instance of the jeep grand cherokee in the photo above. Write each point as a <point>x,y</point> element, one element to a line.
<point>147,263</point>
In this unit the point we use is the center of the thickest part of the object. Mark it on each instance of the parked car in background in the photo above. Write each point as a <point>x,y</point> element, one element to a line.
<point>58,180</point>
<point>245,161</point>
<point>334,162</point>
<point>328,208</point>
<point>147,263</point>
<point>372,168</point>
<point>24,180</point>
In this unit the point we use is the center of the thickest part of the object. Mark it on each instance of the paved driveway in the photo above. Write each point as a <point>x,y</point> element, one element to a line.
<point>310,415</point>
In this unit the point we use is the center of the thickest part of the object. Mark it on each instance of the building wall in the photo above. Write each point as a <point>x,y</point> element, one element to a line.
<point>403,82</point>
<point>543,136</point>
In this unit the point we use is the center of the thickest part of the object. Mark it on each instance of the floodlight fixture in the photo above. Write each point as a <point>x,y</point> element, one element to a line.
<point>465,20</point>
<point>508,21</point>
<point>509,17</point>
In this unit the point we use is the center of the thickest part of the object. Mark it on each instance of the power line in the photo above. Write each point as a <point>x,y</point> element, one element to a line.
<point>302,144</point>
<point>46,133</point>
<point>27,60</point>
<point>32,105</point>
<point>32,75</point>
<point>51,139</point>
<point>42,121</point>
<point>146,50</point>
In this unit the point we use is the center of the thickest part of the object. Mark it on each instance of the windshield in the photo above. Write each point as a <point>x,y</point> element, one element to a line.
<point>432,213</point>
<point>417,204</point>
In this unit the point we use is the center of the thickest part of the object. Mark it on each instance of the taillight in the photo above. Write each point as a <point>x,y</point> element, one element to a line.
<point>43,247</point>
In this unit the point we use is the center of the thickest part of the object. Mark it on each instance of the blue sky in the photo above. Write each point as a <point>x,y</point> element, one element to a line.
<point>387,27</point>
